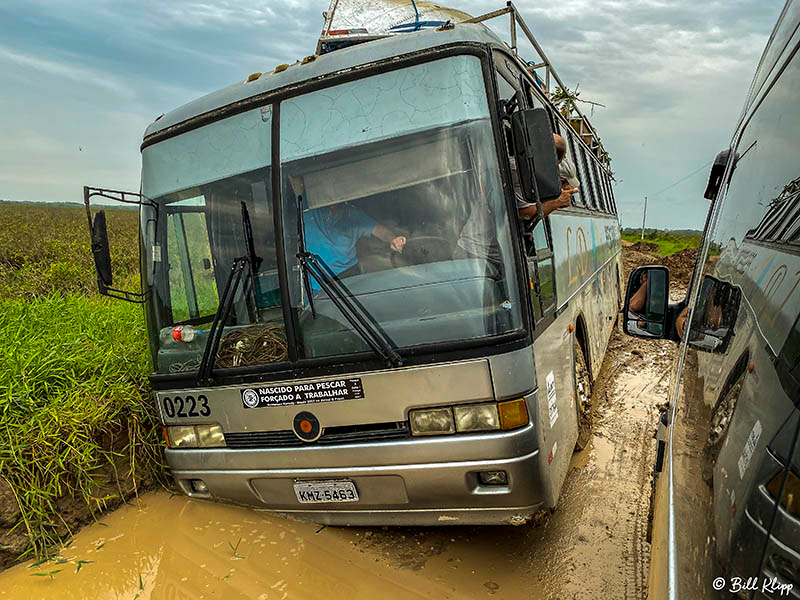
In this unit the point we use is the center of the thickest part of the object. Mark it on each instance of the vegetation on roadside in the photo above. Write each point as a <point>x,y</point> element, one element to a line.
<point>78,432</point>
<point>668,242</point>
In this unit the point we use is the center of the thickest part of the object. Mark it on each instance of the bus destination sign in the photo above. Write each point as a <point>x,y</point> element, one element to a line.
<point>303,393</point>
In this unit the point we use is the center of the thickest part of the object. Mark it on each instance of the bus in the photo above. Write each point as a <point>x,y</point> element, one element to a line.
<point>347,320</point>
<point>727,518</point>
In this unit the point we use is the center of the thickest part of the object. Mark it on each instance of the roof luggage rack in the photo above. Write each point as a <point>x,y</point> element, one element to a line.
<point>350,22</point>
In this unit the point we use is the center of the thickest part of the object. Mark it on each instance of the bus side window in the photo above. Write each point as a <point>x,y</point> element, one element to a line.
<point>540,268</point>
<point>611,196</point>
<point>583,176</point>
<point>601,188</point>
<point>572,157</point>
<point>606,190</point>
<point>601,192</point>
<point>597,199</point>
<point>191,273</point>
<point>508,96</point>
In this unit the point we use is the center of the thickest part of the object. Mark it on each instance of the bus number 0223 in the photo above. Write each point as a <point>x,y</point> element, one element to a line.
<point>186,407</point>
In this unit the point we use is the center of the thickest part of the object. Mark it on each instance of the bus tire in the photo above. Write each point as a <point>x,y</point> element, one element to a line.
<point>721,418</point>
<point>583,395</point>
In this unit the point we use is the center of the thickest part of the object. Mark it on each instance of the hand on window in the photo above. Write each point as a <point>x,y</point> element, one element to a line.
<point>398,243</point>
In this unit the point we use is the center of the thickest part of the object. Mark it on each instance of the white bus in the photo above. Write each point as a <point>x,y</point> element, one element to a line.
<point>347,320</point>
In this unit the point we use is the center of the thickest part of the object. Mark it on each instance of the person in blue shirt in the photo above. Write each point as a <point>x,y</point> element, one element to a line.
<point>332,232</point>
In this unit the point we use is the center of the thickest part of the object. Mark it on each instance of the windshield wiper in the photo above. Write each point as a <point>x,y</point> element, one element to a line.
<point>220,318</point>
<point>252,262</point>
<point>255,261</point>
<point>313,265</point>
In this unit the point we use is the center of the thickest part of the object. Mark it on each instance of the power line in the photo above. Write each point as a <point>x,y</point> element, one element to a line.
<point>669,187</point>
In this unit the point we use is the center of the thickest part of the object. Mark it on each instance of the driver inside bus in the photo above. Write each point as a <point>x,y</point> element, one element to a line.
<point>332,232</point>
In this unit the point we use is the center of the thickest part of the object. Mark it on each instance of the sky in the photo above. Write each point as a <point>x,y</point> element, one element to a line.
<point>82,80</point>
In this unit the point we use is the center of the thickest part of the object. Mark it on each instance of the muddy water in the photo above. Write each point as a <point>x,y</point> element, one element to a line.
<point>593,546</point>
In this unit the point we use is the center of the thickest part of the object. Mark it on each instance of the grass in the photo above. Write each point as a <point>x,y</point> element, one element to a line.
<point>76,420</point>
<point>668,243</point>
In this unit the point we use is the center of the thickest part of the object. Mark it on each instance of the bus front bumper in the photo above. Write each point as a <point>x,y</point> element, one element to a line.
<point>446,492</point>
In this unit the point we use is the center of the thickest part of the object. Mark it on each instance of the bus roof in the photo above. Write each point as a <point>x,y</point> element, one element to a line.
<point>326,64</point>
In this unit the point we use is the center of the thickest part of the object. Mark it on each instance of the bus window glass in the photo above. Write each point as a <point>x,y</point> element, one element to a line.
<point>584,177</point>
<point>611,195</point>
<point>547,288</point>
<point>192,286</point>
<point>601,186</point>
<point>505,91</point>
<point>610,199</point>
<point>540,236</point>
<point>201,180</point>
<point>596,191</point>
<point>571,158</point>
<point>424,248</point>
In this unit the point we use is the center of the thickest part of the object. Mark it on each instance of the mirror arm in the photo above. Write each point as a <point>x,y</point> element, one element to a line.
<point>133,297</point>
<point>126,198</point>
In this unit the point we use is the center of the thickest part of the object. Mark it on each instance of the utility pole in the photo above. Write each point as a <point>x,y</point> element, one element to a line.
<point>644,215</point>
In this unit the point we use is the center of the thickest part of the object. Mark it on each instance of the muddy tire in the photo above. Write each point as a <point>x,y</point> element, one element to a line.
<point>720,423</point>
<point>583,396</point>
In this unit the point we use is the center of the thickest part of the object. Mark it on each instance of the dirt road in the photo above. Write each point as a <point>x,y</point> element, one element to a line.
<point>593,546</point>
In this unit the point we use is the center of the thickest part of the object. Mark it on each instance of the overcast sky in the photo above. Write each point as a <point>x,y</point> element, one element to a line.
<point>81,81</point>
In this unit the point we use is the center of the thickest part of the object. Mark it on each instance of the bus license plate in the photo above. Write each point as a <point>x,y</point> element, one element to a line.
<point>326,491</point>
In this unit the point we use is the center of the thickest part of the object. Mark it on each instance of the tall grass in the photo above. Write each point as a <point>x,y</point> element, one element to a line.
<point>74,401</point>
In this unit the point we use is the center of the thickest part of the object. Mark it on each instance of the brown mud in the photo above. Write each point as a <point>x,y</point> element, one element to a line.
<point>593,546</point>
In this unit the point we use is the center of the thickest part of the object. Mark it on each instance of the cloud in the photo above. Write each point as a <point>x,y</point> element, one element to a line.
<point>63,70</point>
<point>673,77</point>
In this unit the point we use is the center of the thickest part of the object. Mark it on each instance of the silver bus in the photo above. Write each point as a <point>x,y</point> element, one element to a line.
<point>727,511</point>
<point>347,320</point>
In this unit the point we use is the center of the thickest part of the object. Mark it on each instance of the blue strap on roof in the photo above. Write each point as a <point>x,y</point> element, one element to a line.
<point>417,26</point>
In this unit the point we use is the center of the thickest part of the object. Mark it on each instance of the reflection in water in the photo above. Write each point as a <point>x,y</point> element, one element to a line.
<point>176,548</point>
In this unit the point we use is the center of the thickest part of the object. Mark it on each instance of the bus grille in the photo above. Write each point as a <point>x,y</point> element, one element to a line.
<point>349,434</point>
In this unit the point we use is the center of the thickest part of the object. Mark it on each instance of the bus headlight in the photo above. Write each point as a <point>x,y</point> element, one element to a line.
<point>476,417</point>
<point>431,421</point>
<point>194,436</point>
<point>210,436</point>
<point>181,436</point>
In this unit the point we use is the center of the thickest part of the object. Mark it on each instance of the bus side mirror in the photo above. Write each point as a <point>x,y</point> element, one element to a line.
<point>535,154</point>
<point>100,251</point>
<point>99,233</point>
<point>715,177</point>
<point>646,303</point>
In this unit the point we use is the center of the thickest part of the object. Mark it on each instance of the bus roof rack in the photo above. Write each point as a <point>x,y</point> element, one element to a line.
<point>350,22</point>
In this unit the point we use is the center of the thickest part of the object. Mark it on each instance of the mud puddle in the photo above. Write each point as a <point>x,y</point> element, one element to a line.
<point>592,546</point>
<point>175,548</point>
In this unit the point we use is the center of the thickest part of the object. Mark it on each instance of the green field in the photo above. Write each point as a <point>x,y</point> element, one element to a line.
<point>79,432</point>
<point>668,242</point>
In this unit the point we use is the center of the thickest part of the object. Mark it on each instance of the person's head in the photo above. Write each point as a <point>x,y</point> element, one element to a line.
<point>561,147</point>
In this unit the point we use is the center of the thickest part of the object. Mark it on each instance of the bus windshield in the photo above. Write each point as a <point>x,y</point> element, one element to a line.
<point>395,182</point>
